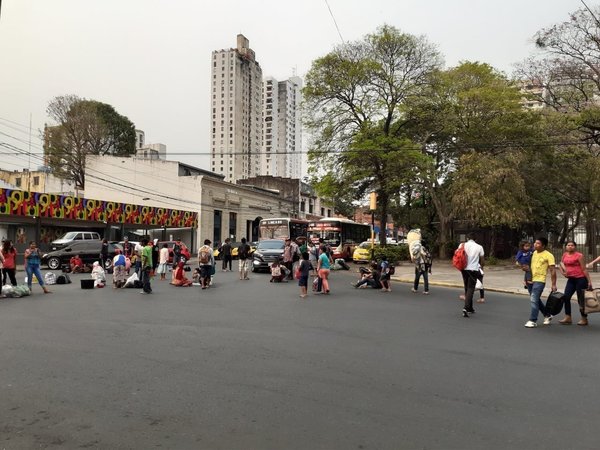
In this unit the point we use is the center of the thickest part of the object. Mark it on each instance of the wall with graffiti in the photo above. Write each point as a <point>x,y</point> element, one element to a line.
<point>55,206</point>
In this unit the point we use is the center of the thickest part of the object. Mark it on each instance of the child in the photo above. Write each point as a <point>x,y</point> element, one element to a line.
<point>304,269</point>
<point>196,277</point>
<point>523,260</point>
<point>277,275</point>
<point>98,275</point>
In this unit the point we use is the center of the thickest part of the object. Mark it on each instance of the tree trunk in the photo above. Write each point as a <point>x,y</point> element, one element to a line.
<point>383,202</point>
<point>445,218</point>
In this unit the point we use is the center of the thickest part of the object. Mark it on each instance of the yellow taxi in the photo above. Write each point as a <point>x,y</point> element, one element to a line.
<point>234,249</point>
<point>362,253</point>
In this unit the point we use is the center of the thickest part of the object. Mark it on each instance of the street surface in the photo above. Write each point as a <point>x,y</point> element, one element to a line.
<point>250,365</point>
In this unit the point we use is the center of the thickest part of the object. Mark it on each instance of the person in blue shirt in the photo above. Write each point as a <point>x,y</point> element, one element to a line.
<point>523,260</point>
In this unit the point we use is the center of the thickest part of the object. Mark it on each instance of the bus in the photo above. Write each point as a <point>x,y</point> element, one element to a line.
<point>342,235</point>
<point>283,228</point>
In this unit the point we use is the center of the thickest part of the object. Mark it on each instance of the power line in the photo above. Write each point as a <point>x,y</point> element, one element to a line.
<point>335,22</point>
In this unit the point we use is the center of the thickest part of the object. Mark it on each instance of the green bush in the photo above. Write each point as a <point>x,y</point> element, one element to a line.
<point>394,253</point>
<point>491,261</point>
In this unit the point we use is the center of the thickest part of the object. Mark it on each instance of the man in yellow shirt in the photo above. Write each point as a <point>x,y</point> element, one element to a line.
<point>542,262</point>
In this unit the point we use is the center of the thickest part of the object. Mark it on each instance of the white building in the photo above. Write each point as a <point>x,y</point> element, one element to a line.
<point>224,209</point>
<point>235,119</point>
<point>282,128</point>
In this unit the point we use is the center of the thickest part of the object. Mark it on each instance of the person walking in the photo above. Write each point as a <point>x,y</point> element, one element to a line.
<point>137,253</point>
<point>127,248</point>
<point>323,266</point>
<point>226,255</point>
<point>163,261</point>
<point>146,266</point>
<point>32,266</point>
<point>422,269</point>
<point>578,278</point>
<point>385,275</point>
<point>542,262</point>
<point>205,263</point>
<point>155,255</point>
<point>177,252</point>
<point>9,269</point>
<point>243,253</point>
<point>475,260</point>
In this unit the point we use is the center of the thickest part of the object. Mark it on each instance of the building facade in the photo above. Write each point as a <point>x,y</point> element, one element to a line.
<point>224,209</point>
<point>282,128</point>
<point>235,119</point>
<point>37,181</point>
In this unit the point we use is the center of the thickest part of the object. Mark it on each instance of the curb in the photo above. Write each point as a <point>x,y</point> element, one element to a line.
<point>459,285</point>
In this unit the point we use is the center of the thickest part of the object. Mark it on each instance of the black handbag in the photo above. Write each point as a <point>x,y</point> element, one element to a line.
<point>554,304</point>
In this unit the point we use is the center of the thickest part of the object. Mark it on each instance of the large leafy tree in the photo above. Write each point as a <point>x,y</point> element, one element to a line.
<point>353,99</point>
<point>470,123</point>
<point>564,76</point>
<point>84,127</point>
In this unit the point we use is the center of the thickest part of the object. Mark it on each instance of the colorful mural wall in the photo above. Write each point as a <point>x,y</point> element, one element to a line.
<point>55,206</point>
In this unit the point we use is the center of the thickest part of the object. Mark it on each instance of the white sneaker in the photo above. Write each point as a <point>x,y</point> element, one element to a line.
<point>413,290</point>
<point>547,320</point>
<point>530,324</point>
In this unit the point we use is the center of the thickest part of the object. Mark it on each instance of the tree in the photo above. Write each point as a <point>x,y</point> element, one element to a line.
<point>84,127</point>
<point>353,98</point>
<point>471,114</point>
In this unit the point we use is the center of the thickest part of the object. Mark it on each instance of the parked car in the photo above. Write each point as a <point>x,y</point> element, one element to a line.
<point>268,250</point>
<point>88,251</point>
<point>74,236</point>
<point>234,250</point>
<point>362,253</point>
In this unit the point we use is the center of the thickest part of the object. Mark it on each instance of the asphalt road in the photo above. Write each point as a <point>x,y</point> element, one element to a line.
<point>250,365</point>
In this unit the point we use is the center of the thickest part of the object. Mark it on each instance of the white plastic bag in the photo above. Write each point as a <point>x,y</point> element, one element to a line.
<point>478,285</point>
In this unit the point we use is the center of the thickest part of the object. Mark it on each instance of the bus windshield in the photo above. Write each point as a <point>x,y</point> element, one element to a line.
<point>274,231</point>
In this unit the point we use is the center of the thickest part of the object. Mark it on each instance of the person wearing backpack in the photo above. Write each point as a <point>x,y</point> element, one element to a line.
<point>475,259</point>
<point>244,262</point>
<point>423,262</point>
<point>205,263</point>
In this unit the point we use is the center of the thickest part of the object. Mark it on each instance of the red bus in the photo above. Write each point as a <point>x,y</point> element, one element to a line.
<point>342,235</point>
<point>283,228</point>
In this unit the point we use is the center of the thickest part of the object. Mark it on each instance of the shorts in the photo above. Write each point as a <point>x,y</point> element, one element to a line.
<point>303,281</point>
<point>205,271</point>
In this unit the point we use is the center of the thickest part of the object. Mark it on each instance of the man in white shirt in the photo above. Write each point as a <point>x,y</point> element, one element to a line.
<point>475,260</point>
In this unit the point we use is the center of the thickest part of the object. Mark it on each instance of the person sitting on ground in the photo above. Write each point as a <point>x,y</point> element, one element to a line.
<point>196,277</point>
<point>372,279</point>
<point>278,272</point>
<point>179,278</point>
<point>76,264</point>
<point>98,275</point>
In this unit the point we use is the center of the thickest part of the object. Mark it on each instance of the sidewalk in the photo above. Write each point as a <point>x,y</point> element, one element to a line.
<point>508,279</point>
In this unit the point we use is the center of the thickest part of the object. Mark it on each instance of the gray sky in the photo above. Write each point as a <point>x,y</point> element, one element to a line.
<point>150,59</point>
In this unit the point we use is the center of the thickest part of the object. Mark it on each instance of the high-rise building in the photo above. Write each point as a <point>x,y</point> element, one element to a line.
<point>282,133</point>
<point>235,122</point>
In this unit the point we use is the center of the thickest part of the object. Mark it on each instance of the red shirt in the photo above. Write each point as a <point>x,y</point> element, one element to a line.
<point>9,258</point>
<point>572,265</point>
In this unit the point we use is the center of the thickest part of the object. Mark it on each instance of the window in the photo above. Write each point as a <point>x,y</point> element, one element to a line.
<point>232,225</point>
<point>18,182</point>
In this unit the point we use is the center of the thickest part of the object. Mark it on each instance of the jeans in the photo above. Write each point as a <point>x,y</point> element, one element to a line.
<point>470,279</point>
<point>536,301</point>
<point>573,285</point>
<point>34,270</point>
<point>10,273</point>
<point>418,274</point>
<point>227,261</point>
<point>145,279</point>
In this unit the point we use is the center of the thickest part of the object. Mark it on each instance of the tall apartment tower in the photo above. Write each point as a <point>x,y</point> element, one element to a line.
<point>236,112</point>
<point>282,128</point>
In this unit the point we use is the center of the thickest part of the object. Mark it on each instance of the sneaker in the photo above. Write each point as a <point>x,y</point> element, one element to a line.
<point>530,324</point>
<point>413,290</point>
<point>465,313</point>
<point>547,320</point>
<point>426,293</point>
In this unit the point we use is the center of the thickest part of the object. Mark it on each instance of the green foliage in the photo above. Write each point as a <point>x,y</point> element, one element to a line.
<point>394,253</point>
<point>84,127</point>
<point>491,261</point>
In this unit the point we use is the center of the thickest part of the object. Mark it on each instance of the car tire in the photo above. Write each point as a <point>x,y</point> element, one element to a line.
<point>54,263</point>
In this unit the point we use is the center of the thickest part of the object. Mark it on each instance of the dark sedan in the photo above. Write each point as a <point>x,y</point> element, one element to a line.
<point>266,252</point>
<point>88,251</point>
